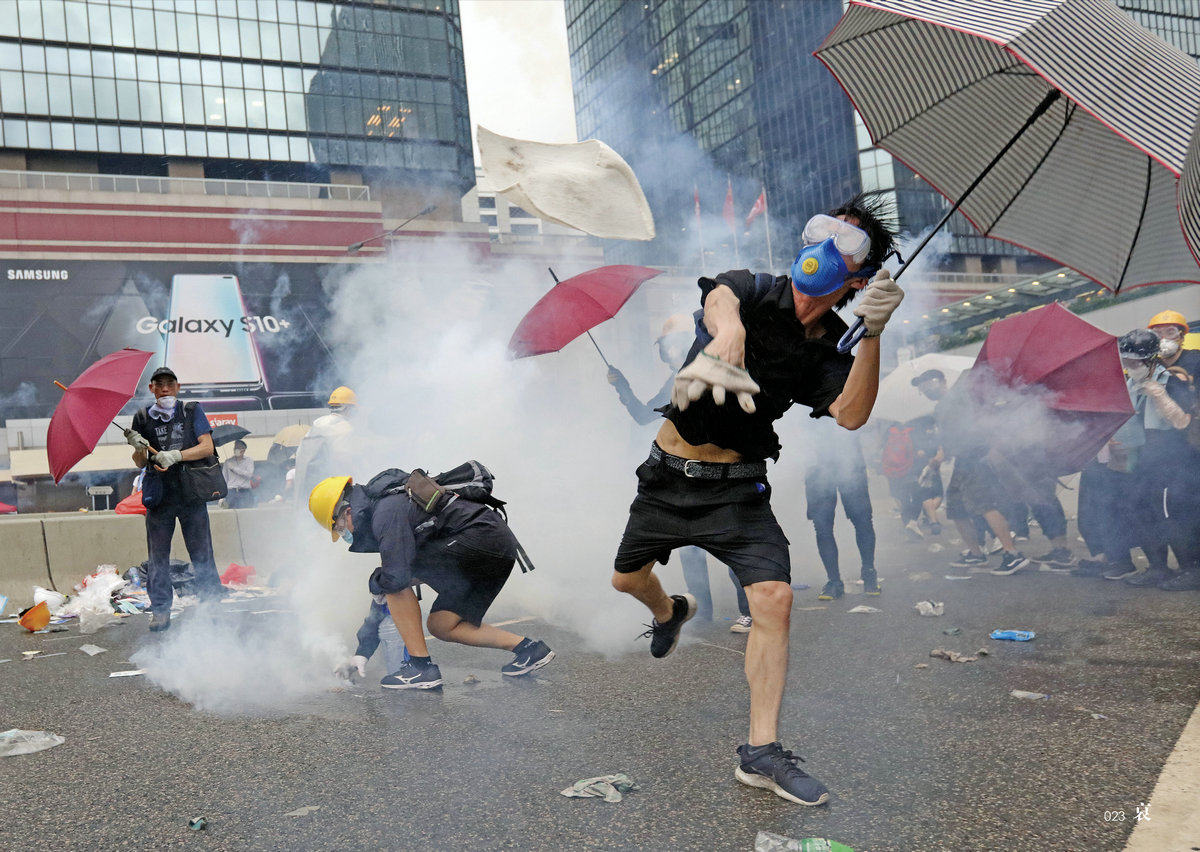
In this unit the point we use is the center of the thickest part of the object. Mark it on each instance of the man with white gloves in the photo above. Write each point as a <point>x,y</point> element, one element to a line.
<point>770,342</point>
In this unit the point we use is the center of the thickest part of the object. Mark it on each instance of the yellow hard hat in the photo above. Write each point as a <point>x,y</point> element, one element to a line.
<point>342,396</point>
<point>324,499</point>
<point>1168,318</point>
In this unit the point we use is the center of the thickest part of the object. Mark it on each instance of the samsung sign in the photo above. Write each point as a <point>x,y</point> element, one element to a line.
<point>37,275</point>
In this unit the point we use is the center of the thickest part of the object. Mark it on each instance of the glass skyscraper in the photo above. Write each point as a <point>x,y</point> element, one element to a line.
<point>353,85</point>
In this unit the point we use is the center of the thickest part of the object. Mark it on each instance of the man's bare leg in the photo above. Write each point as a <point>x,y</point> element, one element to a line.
<point>643,584</point>
<point>767,656</point>
<point>449,627</point>
<point>406,613</point>
<point>1000,529</point>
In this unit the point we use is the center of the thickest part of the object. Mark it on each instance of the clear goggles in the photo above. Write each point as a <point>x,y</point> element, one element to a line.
<point>850,240</point>
<point>1167,332</point>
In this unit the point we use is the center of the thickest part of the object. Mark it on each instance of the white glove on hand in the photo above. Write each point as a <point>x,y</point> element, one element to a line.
<point>354,665</point>
<point>167,458</point>
<point>879,299</point>
<point>708,372</point>
<point>135,440</point>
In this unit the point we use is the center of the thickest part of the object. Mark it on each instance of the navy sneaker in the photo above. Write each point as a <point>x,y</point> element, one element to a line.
<point>1011,563</point>
<point>536,655</point>
<point>967,559</point>
<point>410,676</point>
<point>1091,568</point>
<point>1149,577</point>
<point>1184,581</point>
<point>870,582</point>
<point>664,637</point>
<point>774,769</point>
<point>833,590</point>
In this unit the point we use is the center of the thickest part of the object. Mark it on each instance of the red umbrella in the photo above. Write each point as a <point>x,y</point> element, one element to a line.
<point>574,306</point>
<point>1078,369</point>
<point>7,509</point>
<point>89,405</point>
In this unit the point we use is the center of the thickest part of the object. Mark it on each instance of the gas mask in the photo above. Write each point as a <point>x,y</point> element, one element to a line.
<point>1168,348</point>
<point>820,268</point>
<point>166,403</point>
<point>1137,370</point>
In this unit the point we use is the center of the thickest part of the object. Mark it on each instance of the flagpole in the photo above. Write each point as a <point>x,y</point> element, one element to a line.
<point>699,225</point>
<point>767,223</point>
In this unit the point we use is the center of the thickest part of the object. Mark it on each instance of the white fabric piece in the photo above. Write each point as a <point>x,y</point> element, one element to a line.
<point>583,185</point>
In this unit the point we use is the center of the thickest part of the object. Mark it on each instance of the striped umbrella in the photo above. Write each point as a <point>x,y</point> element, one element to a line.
<point>946,86</point>
<point>1189,193</point>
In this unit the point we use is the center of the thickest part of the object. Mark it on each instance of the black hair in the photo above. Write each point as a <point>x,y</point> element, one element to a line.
<point>874,212</point>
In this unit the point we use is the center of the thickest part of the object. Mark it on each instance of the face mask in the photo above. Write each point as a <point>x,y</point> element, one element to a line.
<point>1137,372</point>
<point>673,348</point>
<point>166,403</point>
<point>1168,348</point>
<point>347,536</point>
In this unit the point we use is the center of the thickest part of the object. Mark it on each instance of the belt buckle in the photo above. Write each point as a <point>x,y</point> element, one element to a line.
<point>685,468</point>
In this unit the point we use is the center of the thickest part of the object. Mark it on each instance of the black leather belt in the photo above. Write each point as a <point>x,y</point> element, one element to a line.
<point>695,469</point>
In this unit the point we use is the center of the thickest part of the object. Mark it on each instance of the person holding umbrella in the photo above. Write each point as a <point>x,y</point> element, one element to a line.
<point>163,435</point>
<point>769,341</point>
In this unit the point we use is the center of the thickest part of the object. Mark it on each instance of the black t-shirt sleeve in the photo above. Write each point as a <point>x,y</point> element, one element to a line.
<point>740,281</point>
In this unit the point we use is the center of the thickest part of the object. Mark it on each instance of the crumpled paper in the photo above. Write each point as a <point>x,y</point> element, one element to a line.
<point>952,656</point>
<point>611,787</point>
<point>862,608</point>
<point>930,608</point>
<point>583,185</point>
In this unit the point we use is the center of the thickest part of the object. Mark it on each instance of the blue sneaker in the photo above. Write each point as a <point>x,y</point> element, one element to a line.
<point>410,676</point>
<point>531,659</point>
<point>664,637</point>
<point>774,769</point>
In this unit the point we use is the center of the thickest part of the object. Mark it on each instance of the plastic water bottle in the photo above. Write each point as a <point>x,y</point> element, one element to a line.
<point>394,652</point>
<point>1014,635</point>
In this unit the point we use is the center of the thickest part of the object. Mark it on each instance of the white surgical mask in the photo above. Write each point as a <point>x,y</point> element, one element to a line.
<point>1168,348</point>
<point>166,403</point>
<point>1137,372</point>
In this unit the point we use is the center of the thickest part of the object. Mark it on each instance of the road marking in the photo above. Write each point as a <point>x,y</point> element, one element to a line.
<point>1174,821</point>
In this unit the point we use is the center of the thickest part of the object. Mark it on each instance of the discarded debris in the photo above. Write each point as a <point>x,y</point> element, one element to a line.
<point>921,666</point>
<point>610,787</point>
<point>304,811</point>
<point>952,656</point>
<point>197,823</point>
<point>1099,716</point>
<point>801,587</point>
<point>129,673</point>
<point>930,609</point>
<point>958,577</point>
<point>920,575</point>
<point>1013,635</point>
<point>767,841</point>
<point>952,631</point>
<point>470,679</point>
<point>16,741</point>
<point>864,609</point>
<point>92,650</point>
<point>30,654</point>
<point>1032,696</point>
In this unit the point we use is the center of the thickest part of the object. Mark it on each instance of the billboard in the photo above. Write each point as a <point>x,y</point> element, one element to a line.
<point>243,336</point>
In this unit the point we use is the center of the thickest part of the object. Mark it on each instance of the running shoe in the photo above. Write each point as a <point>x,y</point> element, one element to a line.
<point>1011,563</point>
<point>772,768</point>
<point>536,655</point>
<point>833,590</point>
<point>967,559</point>
<point>413,676</point>
<point>1120,572</point>
<point>1151,577</point>
<point>664,637</point>
<point>870,583</point>
<point>1091,568</point>
<point>914,530</point>
<point>742,625</point>
<point>1059,557</point>
<point>1184,581</point>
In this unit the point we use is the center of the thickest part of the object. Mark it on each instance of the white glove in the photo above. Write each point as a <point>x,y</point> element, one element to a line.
<point>354,665</point>
<point>707,372</point>
<point>135,440</point>
<point>879,299</point>
<point>166,458</point>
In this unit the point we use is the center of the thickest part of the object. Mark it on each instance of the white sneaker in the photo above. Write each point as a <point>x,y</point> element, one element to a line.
<point>742,625</point>
<point>914,528</point>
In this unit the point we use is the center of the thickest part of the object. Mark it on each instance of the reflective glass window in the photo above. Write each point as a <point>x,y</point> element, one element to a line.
<point>259,147</point>
<point>272,77</point>
<point>127,100</point>
<point>187,32</point>
<point>189,71</point>
<point>276,111</point>
<point>36,101</point>
<point>251,48</point>
<point>39,134</point>
<point>172,103</point>
<point>99,25</point>
<point>239,145</point>
<point>107,138</point>
<point>152,140</point>
<point>106,97</point>
<point>210,72</point>
<point>195,142</point>
<point>125,65</point>
<point>131,140</point>
<point>311,41</point>
<point>14,134</point>
<point>33,57</point>
<point>147,67</point>
<point>214,105</point>
<point>266,10</point>
<point>289,42</point>
<point>143,27</point>
<point>12,92</point>
<point>193,104</point>
<point>209,34</point>
<point>256,109</point>
<point>252,74</point>
<point>296,118</point>
<point>9,27</point>
<point>10,56</point>
<point>80,62</point>
<point>173,144</point>
<point>83,104</point>
<point>209,7</point>
<point>279,148</point>
<point>149,98</point>
<point>122,26</point>
<point>30,14</point>
<point>235,108</point>
<point>301,152</point>
<point>85,137</point>
<point>218,144</point>
<point>102,64</point>
<point>59,89</point>
<point>310,13</point>
<point>230,43</point>
<point>164,31</point>
<point>168,69</point>
<point>269,40</point>
<point>56,60</point>
<point>286,10</point>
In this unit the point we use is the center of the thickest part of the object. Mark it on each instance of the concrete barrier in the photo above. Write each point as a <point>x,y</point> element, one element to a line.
<point>23,563</point>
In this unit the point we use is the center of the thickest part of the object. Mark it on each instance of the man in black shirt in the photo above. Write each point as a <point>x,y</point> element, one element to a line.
<point>771,341</point>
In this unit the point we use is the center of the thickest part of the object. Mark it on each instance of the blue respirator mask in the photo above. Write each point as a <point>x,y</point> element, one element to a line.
<point>820,268</point>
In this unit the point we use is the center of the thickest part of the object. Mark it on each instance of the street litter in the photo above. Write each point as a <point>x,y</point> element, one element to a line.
<point>952,656</point>
<point>54,600</point>
<point>55,654</point>
<point>952,631</point>
<point>767,841</point>
<point>35,618</point>
<point>129,673</point>
<point>921,666</point>
<point>304,811</point>
<point>935,548</point>
<point>610,787</point>
<point>197,823</point>
<point>930,609</point>
<point>920,575</point>
<point>1032,696</point>
<point>29,654</point>
<point>93,601</point>
<point>801,587</point>
<point>864,609</point>
<point>3,603</point>
<point>953,577</point>
<point>470,679</point>
<point>1099,716</point>
<point>92,650</point>
<point>1013,635</point>
<point>15,741</point>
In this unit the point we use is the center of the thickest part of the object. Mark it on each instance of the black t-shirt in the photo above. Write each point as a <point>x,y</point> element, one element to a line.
<point>788,366</point>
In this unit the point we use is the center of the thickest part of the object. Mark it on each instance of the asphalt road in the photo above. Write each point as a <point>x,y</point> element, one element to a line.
<point>935,758</point>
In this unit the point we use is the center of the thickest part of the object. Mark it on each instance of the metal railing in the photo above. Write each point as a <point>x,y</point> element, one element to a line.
<point>181,186</point>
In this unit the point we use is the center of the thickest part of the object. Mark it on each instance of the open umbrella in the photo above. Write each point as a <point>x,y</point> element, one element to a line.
<point>1071,368</point>
<point>7,509</point>
<point>291,436</point>
<point>898,400</point>
<point>89,405</point>
<point>575,306</point>
<point>227,433</point>
<point>1060,126</point>
<point>1189,193</point>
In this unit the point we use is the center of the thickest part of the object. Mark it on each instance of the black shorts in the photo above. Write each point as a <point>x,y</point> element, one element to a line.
<point>973,489</point>
<point>468,572</point>
<point>729,518</point>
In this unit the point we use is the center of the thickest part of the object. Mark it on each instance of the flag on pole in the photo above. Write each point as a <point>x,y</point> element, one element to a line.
<point>727,214</point>
<point>760,207</point>
<point>696,196</point>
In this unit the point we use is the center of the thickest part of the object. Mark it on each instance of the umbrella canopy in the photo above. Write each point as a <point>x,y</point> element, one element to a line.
<point>1189,193</point>
<point>89,405</point>
<point>898,400</point>
<point>291,436</point>
<point>943,85</point>
<point>1073,367</point>
<point>227,433</point>
<point>7,509</point>
<point>575,306</point>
